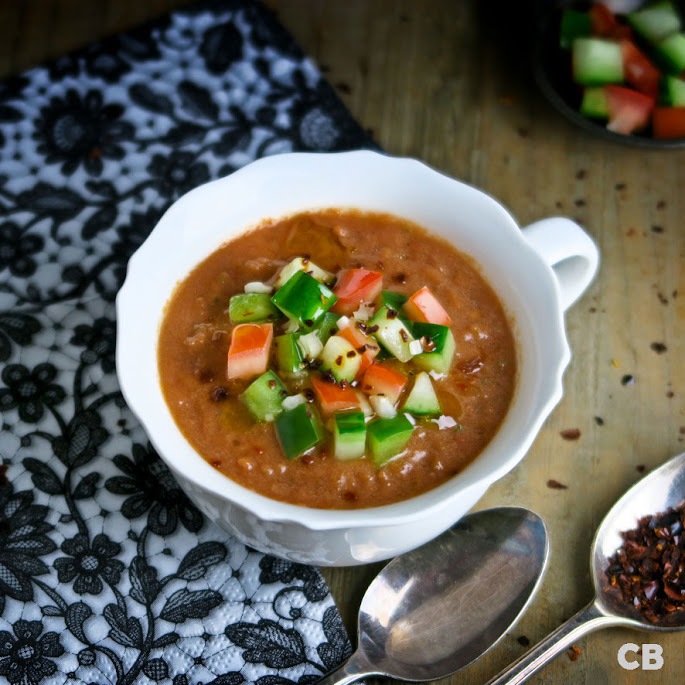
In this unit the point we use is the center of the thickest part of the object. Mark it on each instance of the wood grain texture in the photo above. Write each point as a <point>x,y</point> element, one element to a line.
<point>447,83</point>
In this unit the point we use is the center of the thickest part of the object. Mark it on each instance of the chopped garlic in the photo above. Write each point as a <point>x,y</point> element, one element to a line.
<point>294,401</point>
<point>365,311</point>
<point>310,345</point>
<point>364,404</point>
<point>415,347</point>
<point>292,326</point>
<point>342,322</point>
<point>382,406</point>
<point>258,287</point>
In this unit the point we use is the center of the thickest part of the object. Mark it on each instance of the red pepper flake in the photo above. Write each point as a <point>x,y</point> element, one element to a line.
<point>681,430</point>
<point>599,420</point>
<point>308,322</point>
<point>216,463</point>
<point>592,310</point>
<point>580,174</point>
<point>204,375</point>
<point>427,344</point>
<point>372,329</point>
<point>218,394</point>
<point>559,204</point>
<point>344,384</point>
<point>570,433</point>
<point>309,395</point>
<point>574,653</point>
<point>349,496</point>
<point>305,259</point>
<point>657,229</point>
<point>307,459</point>
<point>362,349</point>
<point>404,335</point>
<point>556,485</point>
<point>658,347</point>
<point>283,393</point>
<point>400,278</point>
<point>661,204</point>
<point>640,468</point>
<point>648,571</point>
<point>272,384</point>
<point>620,186</point>
<point>627,380</point>
<point>662,298</point>
<point>351,353</point>
<point>523,640</point>
<point>339,360</point>
<point>670,394</point>
<point>392,313</point>
<point>579,202</point>
<point>631,232</point>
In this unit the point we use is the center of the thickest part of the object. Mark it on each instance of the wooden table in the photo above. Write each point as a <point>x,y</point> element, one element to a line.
<point>435,80</point>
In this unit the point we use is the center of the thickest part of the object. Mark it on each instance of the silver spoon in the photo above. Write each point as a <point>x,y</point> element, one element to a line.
<point>662,489</point>
<point>434,610</point>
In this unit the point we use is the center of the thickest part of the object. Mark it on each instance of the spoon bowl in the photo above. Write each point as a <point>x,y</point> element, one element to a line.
<point>434,610</point>
<point>662,489</point>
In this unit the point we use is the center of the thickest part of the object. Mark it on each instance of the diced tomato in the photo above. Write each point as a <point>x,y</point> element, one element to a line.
<point>248,354</point>
<point>332,397</point>
<point>668,122</point>
<point>357,339</point>
<point>355,286</point>
<point>629,111</point>
<point>423,306</point>
<point>638,70</point>
<point>382,380</point>
<point>605,24</point>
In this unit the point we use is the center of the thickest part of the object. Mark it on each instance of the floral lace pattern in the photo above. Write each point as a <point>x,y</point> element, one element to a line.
<point>108,573</point>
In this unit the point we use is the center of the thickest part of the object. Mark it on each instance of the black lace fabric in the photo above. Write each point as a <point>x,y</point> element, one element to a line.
<point>108,573</point>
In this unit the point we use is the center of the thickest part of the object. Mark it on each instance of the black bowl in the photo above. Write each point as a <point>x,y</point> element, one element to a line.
<point>552,71</point>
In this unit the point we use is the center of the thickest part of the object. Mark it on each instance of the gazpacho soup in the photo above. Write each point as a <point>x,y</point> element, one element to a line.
<point>337,359</point>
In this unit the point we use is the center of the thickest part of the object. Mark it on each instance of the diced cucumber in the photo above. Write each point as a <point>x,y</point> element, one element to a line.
<point>305,299</point>
<point>671,53</point>
<point>252,307</point>
<point>382,406</point>
<point>300,264</point>
<point>597,61</point>
<point>310,346</point>
<point>655,22</point>
<point>288,355</point>
<point>341,359</point>
<point>393,300</point>
<point>595,103</point>
<point>349,435</point>
<point>264,397</point>
<point>299,430</point>
<point>574,25</point>
<point>386,438</point>
<point>440,359</point>
<point>422,400</point>
<point>392,333</point>
<point>327,327</point>
<point>672,91</point>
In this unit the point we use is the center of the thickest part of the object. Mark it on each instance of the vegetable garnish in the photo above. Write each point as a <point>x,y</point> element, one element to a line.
<point>319,378</point>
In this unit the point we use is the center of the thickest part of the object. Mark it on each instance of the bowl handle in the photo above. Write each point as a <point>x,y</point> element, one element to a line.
<point>569,250</point>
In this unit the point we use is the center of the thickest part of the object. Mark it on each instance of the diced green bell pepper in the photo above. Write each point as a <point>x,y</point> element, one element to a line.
<point>252,307</point>
<point>441,358</point>
<point>288,355</point>
<point>574,25</point>
<point>349,435</point>
<point>264,397</point>
<point>299,430</point>
<point>386,438</point>
<point>327,327</point>
<point>305,299</point>
<point>392,333</point>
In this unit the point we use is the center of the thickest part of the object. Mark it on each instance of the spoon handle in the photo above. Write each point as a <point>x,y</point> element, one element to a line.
<point>354,669</point>
<point>585,621</point>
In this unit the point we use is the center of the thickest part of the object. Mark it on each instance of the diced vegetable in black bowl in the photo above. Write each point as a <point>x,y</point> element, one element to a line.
<point>619,76</point>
